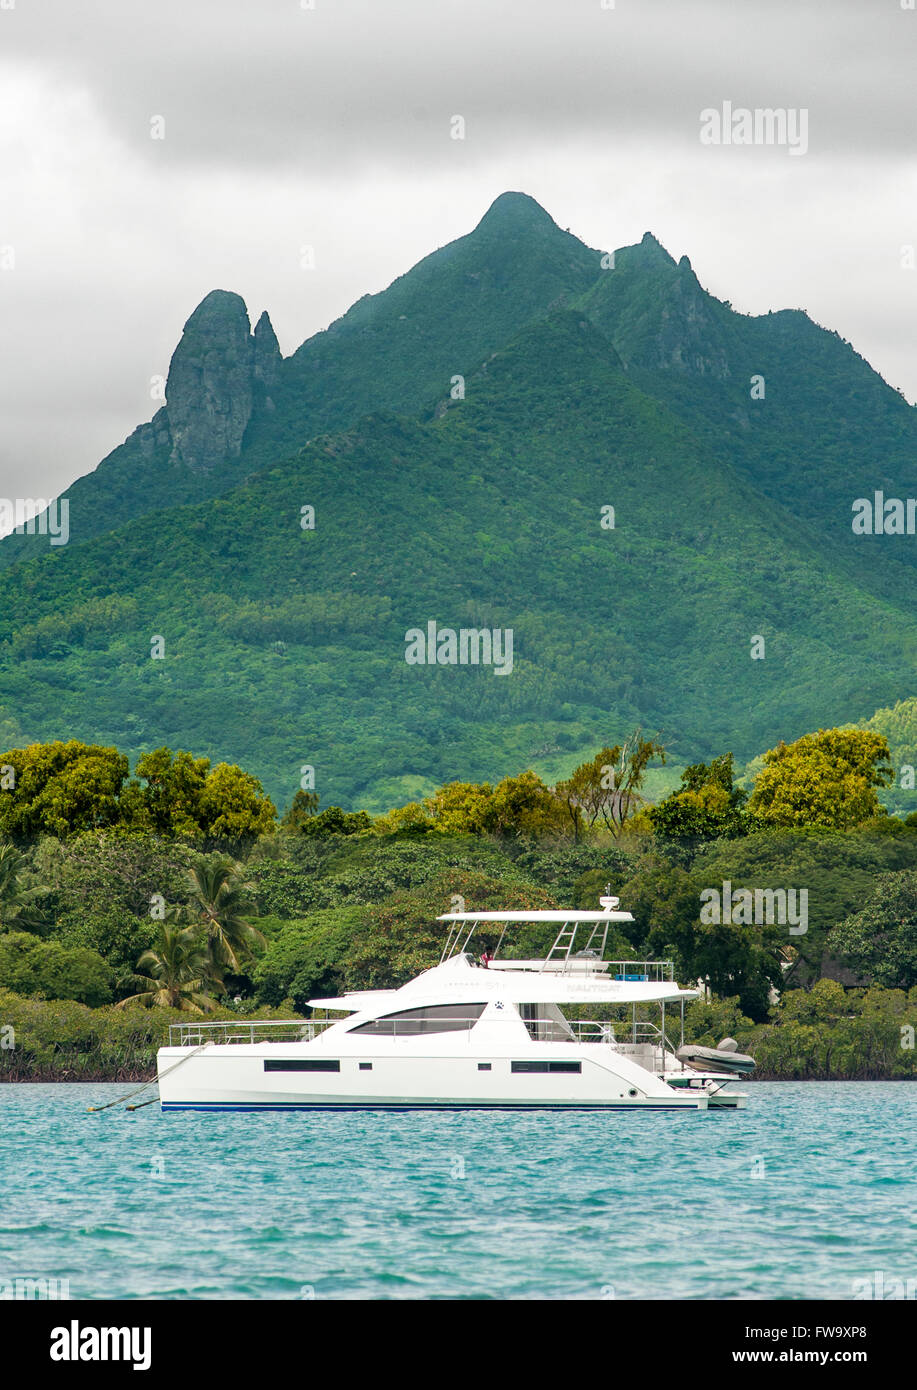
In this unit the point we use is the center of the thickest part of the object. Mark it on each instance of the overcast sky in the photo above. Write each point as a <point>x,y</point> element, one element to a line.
<point>287,126</point>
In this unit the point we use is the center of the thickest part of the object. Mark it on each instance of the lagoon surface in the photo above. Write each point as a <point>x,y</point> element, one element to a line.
<point>807,1191</point>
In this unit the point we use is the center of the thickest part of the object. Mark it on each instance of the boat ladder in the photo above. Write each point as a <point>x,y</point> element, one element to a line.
<point>563,943</point>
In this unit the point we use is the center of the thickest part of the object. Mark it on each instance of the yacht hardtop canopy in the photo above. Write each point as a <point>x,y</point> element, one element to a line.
<point>536,916</point>
<point>567,924</point>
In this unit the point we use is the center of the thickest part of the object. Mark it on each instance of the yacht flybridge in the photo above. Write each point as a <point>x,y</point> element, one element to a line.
<point>479,1030</point>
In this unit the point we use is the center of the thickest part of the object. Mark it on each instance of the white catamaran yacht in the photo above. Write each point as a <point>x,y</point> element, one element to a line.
<point>480,1031</point>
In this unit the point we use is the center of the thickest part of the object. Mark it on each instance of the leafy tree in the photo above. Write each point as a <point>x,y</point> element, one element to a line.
<point>183,795</point>
<point>635,756</point>
<point>740,960</point>
<point>400,936</point>
<point>830,1032</point>
<point>131,870</point>
<point>577,873</point>
<point>880,941</point>
<point>736,959</point>
<point>665,902</point>
<point>516,807</point>
<point>118,936</point>
<point>31,966</point>
<point>413,818</point>
<point>462,808</point>
<point>583,793</point>
<point>609,785</point>
<point>707,805</point>
<point>524,806</point>
<point>169,802</point>
<point>334,821</point>
<point>109,889</point>
<point>828,778</point>
<point>289,890</point>
<point>837,870</point>
<point>175,971</point>
<point>708,1021</point>
<point>61,788</point>
<point>307,958</point>
<point>302,808</point>
<point>825,1002</point>
<point>233,806</point>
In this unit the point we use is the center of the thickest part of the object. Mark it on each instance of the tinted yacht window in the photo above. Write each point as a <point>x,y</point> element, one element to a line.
<point>433,1018</point>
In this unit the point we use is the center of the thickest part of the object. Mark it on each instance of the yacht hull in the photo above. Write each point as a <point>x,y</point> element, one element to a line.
<point>219,1078</point>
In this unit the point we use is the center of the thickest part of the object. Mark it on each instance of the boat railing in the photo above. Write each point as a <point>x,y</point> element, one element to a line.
<point>623,1035</point>
<point>593,1030</point>
<point>610,1030</point>
<point>648,1040</point>
<point>645,971</point>
<point>238,1030</point>
<point>630,971</point>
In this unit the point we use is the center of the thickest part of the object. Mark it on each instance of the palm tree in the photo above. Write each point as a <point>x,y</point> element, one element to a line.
<point>175,972</point>
<point>17,911</point>
<point>218,904</point>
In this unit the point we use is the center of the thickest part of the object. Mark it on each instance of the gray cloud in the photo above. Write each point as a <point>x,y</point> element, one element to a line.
<point>330,127</point>
<point>349,84</point>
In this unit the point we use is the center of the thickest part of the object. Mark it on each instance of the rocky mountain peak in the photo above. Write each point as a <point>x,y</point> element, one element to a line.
<point>652,249</point>
<point>267,356</point>
<point>512,211</point>
<point>209,392</point>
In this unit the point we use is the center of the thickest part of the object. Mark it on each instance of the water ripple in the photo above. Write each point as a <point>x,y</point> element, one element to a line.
<point>804,1192</point>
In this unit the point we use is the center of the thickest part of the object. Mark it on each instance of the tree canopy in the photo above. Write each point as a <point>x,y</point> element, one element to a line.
<point>707,805</point>
<point>880,940</point>
<point>828,778</point>
<point>62,789</point>
<point>49,970</point>
<point>608,786</point>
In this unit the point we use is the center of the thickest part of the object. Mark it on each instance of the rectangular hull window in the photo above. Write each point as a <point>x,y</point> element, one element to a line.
<point>572,1067</point>
<point>301,1064</point>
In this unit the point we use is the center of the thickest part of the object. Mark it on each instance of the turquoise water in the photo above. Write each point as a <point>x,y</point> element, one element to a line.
<point>809,1189</point>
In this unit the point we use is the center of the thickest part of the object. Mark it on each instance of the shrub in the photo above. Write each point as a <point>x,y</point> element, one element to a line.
<point>48,970</point>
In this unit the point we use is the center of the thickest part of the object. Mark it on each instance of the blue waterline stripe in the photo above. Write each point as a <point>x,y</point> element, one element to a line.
<point>381,1105</point>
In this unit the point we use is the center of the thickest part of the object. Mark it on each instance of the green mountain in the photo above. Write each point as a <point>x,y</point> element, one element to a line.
<point>584,388</point>
<point>233,404</point>
<point>826,430</point>
<point>899,726</point>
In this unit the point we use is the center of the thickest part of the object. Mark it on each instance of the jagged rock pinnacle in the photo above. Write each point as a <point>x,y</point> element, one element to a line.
<point>209,393</point>
<point>267,357</point>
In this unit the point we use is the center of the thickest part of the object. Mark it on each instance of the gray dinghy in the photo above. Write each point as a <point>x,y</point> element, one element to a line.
<point>715,1059</point>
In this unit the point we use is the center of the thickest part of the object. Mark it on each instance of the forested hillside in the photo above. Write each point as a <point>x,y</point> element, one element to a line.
<point>517,435</point>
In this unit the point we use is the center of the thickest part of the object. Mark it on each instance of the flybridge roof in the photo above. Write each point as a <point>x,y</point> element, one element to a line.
<point>539,916</point>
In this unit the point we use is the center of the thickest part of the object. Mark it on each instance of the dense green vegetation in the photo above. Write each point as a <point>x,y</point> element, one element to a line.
<point>125,920</point>
<point>521,436</point>
<point>584,388</point>
<point>898,726</point>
